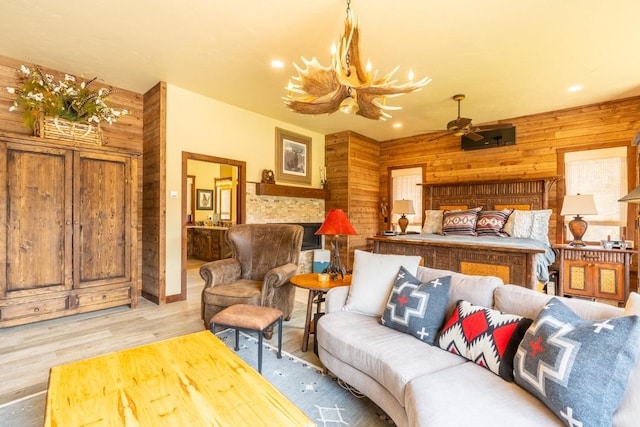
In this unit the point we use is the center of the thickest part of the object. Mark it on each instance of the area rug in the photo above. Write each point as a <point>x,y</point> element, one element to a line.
<point>325,400</point>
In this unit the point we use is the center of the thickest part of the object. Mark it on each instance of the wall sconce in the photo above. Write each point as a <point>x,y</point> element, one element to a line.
<point>404,208</point>
<point>580,204</point>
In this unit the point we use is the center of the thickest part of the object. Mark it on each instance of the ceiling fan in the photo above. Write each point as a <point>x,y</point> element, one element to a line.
<point>462,125</point>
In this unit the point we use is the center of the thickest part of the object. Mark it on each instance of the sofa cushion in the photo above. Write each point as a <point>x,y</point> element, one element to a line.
<point>563,357</point>
<point>460,222</point>
<point>372,279</point>
<point>467,395</point>
<point>391,358</point>
<point>417,308</point>
<point>477,290</point>
<point>491,223</point>
<point>628,413</point>
<point>432,221</point>
<point>484,336</point>
<point>528,303</point>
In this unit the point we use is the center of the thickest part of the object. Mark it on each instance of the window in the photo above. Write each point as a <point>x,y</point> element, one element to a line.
<point>602,173</point>
<point>404,185</point>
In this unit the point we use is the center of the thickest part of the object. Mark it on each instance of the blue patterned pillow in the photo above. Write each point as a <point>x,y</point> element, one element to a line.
<point>417,308</point>
<point>578,368</point>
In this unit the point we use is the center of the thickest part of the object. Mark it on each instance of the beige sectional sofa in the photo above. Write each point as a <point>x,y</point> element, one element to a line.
<point>418,384</point>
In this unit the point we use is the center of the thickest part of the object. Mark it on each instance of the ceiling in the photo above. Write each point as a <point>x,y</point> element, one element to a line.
<point>511,58</point>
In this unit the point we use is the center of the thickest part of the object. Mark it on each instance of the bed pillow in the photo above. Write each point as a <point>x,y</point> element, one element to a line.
<point>519,224</point>
<point>540,226</point>
<point>372,279</point>
<point>432,222</point>
<point>578,368</point>
<point>417,308</point>
<point>484,336</point>
<point>460,222</point>
<point>491,223</point>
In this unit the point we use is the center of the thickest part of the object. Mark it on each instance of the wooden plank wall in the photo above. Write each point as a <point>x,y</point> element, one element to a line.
<point>125,134</point>
<point>153,218</point>
<point>539,139</point>
<point>352,162</point>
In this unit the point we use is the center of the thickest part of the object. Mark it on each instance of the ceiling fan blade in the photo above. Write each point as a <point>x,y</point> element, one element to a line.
<point>474,136</point>
<point>492,127</point>
<point>440,136</point>
<point>463,122</point>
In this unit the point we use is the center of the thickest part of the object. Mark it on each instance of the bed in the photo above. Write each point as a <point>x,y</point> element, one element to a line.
<point>521,260</point>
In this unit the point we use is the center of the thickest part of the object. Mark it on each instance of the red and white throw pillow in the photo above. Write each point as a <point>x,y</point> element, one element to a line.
<point>484,336</point>
<point>460,222</point>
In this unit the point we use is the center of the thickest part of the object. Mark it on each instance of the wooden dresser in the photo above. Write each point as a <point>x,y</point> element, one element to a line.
<point>69,234</point>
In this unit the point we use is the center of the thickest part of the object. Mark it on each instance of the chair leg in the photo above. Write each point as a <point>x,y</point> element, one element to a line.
<point>212,327</point>
<point>237,340</point>
<point>260,352</point>
<point>280,337</point>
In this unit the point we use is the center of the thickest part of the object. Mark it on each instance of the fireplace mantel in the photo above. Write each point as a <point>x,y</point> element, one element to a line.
<point>263,189</point>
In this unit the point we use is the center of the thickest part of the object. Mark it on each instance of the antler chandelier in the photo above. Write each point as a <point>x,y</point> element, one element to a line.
<point>345,85</point>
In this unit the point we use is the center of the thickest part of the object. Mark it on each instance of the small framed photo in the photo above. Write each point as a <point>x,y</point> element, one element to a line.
<point>293,157</point>
<point>205,200</point>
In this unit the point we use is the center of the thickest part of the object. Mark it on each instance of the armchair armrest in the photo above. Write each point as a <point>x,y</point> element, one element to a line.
<point>275,278</point>
<point>220,272</point>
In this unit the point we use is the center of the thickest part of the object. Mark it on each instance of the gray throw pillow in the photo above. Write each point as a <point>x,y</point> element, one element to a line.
<point>578,368</point>
<point>417,308</point>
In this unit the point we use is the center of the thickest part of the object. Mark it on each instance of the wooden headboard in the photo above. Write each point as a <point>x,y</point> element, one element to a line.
<point>495,195</point>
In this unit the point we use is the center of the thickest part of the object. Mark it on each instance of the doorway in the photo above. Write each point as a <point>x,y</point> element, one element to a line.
<point>222,185</point>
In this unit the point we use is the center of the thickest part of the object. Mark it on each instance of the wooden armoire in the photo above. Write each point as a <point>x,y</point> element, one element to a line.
<point>69,219</point>
<point>353,178</point>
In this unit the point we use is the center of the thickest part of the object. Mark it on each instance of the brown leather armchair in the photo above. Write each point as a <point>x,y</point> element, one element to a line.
<point>264,258</point>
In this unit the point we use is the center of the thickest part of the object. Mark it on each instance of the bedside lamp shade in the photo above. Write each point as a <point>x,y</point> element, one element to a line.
<point>404,208</point>
<point>580,204</point>
<point>336,224</point>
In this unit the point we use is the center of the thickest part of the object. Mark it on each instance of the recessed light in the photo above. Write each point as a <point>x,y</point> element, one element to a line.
<point>276,63</point>
<point>397,125</point>
<point>575,88</point>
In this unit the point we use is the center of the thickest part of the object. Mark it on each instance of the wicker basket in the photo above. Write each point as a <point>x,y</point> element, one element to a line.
<point>65,130</point>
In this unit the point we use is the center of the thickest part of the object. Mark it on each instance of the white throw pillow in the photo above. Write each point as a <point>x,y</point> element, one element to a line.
<point>372,280</point>
<point>432,222</point>
<point>540,226</point>
<point>519,224</point>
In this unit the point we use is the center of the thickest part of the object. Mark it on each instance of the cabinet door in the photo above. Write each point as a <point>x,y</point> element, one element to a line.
<point>577,278</point>
<point>102,219</point>
<point>609,281</point>
<point>35,214</point>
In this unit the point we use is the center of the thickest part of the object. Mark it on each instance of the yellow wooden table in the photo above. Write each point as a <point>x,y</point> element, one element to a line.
<point>193,380</point>
<point>317,289</point>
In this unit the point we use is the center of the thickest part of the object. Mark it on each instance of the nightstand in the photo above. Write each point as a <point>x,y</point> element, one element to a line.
<point>594,272</point>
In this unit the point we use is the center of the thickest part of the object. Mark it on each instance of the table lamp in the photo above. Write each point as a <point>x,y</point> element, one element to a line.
<point>580,204</point>
<point>404,208</point>
<point>336,224</point>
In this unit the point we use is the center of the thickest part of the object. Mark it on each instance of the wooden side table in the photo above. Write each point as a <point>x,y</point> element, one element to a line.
<point>316,289</point>
<point>594,272</point>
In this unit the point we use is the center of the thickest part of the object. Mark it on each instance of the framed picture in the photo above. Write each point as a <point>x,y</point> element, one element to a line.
<point>293,157</point>
<point>204,200</point>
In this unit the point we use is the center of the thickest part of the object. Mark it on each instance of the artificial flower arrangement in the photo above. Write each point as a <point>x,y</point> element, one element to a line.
<point>42,95</point>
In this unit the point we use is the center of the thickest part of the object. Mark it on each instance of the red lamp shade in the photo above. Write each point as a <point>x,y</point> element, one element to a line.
<point>336,223</point>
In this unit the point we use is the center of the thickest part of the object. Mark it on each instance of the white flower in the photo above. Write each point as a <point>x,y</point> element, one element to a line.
<point>25,70</point>
<point>69,78</point>
<point>11,89</point>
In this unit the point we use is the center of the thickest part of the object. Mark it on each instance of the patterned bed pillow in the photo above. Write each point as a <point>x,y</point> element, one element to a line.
<point>460,222</point>
<point>491,223</point>
<point>417,308</point>
<point>432,222</point>
<point>578,368</point>
<point>484,336</point>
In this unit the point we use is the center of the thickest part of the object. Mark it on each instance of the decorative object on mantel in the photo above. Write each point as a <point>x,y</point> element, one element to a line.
<point>336,224</point>
<point>580,204</point>
<point>323,177</point>
<point>65,109</point>
<point>346,84</point>
<point>268,177</point>
<point>404,208</point>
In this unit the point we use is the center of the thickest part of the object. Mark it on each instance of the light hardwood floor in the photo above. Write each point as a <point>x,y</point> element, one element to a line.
<point>28,352</point>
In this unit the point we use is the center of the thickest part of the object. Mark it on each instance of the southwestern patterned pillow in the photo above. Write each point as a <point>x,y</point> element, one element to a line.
<point>484,336</point>
<point>491,223</point>
<point>578,368</point>
<point>417,308</point>
<point>460,222</point>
